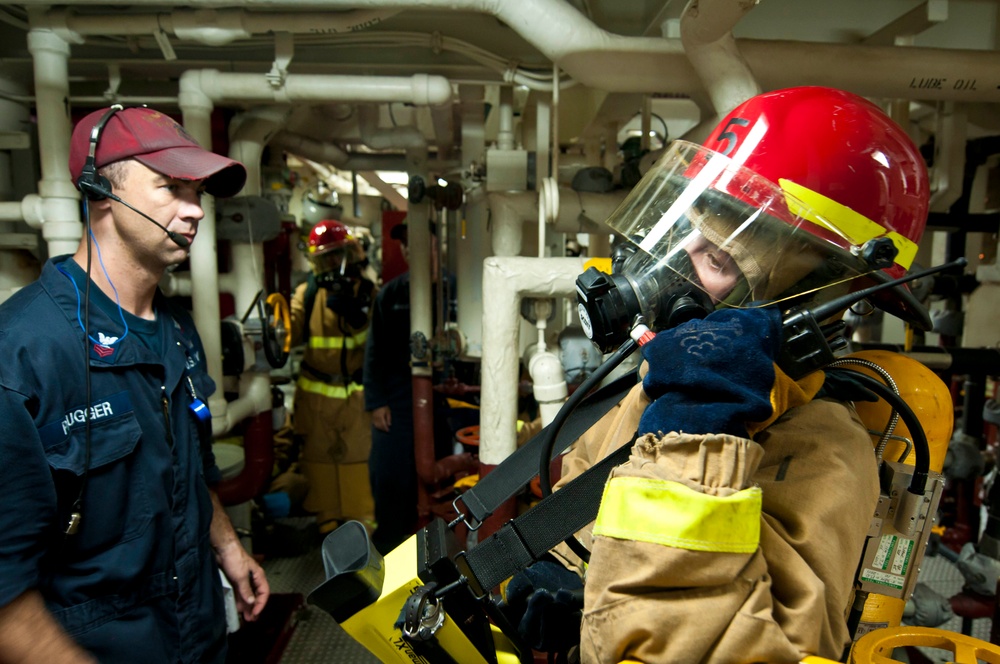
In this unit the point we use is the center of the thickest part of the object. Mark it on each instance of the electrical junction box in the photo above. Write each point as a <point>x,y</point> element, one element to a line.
<point>510,170</point>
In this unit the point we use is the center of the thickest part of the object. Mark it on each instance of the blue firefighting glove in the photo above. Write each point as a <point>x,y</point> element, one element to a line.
<point>546,602</point>
<point>714,375</point>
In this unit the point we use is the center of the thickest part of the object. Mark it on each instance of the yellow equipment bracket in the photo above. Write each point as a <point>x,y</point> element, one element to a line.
<point>374,626</point>
<point>282,314</point>
<point>876,647</point>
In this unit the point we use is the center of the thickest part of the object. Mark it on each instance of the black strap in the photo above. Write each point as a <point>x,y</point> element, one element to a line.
<point>517,470</point>
<point>523,540</point>
<point>310,299</point>
<point>330,379</point>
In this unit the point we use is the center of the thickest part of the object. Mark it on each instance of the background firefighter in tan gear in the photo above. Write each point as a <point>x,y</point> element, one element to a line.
<point>734,532</point>
<point>331,312</point>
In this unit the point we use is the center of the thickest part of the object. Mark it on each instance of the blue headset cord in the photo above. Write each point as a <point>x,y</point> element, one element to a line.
<point>76,289</point>
<point>76,510</point>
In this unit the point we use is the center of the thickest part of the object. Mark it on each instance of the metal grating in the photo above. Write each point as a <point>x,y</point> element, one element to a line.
<point>317,638</point>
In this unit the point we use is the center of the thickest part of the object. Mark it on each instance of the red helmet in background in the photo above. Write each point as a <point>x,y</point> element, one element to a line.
<point>328,235</point>
<point>331,245</point>
<point>846,160</point>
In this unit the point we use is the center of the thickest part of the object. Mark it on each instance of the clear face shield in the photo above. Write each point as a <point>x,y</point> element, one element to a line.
<point>332,262</point>
<point>699,233</point>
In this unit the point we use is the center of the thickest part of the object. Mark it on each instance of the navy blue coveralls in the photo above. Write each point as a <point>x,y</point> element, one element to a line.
<point>392,464</point>
<point>138,581</point>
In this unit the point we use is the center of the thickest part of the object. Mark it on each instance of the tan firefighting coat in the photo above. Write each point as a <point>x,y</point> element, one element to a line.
<point>329,411</point>
<point>788,598</point>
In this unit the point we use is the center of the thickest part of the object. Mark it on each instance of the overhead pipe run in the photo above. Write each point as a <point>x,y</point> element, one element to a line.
<point>613,63</point>
<point>419,89</point>
<point>320,151</point>
<point>329,153</point>
<point>706,32</point>
<point>213,27</point>
<point>388,138</point>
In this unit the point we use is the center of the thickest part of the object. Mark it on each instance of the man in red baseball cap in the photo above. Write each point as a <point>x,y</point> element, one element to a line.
<point>112,547</point>
<point>157,141</point>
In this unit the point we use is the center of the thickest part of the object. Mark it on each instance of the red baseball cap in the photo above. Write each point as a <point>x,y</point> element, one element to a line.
<point>156,140</point>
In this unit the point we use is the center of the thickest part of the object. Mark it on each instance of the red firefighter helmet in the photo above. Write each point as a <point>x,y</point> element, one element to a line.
<point>797,195</point>
<point>332,245</point>
<point>844,158</point>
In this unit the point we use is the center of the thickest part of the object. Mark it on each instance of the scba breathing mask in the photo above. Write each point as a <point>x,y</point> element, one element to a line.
<point>700,232</point>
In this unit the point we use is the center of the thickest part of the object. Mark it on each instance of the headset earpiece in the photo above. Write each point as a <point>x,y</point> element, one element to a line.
<point>93,185</point>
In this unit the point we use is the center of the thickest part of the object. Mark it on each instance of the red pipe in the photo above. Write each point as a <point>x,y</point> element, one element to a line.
<point>431,471</point>
<point>258,455</point>
<point>423,428</point>
<point>423,439</point>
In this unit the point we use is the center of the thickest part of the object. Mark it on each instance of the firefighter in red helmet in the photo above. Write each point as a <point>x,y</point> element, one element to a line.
<point>734,531</point>
<point>330,315</point>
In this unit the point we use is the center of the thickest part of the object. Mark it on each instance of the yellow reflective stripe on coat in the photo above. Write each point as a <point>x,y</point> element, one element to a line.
<point>663,512</point>
<point>327,390</point>
<point>350,343</point>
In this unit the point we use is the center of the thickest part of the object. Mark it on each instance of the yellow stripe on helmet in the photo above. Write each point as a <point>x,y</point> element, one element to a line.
<point>842,220</point>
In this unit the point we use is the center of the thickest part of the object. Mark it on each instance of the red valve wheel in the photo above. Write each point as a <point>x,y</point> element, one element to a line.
<point>468,435</point>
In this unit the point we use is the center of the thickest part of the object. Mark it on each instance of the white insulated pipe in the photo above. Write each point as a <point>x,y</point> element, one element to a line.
<point>444,129</point>
<point>251,131</point>
<point>421,287</point>
<point>613,63</point>
<point>505,281</point>
<point>254,389</point>
<point>329,153</point>
<point>323,152</point>
<point>388,138</point>
<point>548,380</point>
<point>11,211</point>
<point>419,89</point>
<point>579,212</point>
<point>706,32</point>
<point>505,132</point>
<point>472,244</point>
<point>196,112</point>
<point>57,211</point>
<point>214,27</point>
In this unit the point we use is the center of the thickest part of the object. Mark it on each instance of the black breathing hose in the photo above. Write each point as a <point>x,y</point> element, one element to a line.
<point>921,448</point>
<point>545,455</point>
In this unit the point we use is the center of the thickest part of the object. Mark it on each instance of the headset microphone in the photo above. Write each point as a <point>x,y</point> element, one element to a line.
<point>95,189</point>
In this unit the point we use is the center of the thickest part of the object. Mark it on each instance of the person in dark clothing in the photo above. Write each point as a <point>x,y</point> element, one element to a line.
<point>112,540</point>
<point>389,397</point>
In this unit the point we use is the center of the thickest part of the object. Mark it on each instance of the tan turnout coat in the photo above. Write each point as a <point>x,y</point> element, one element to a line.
<point>655,603</point>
